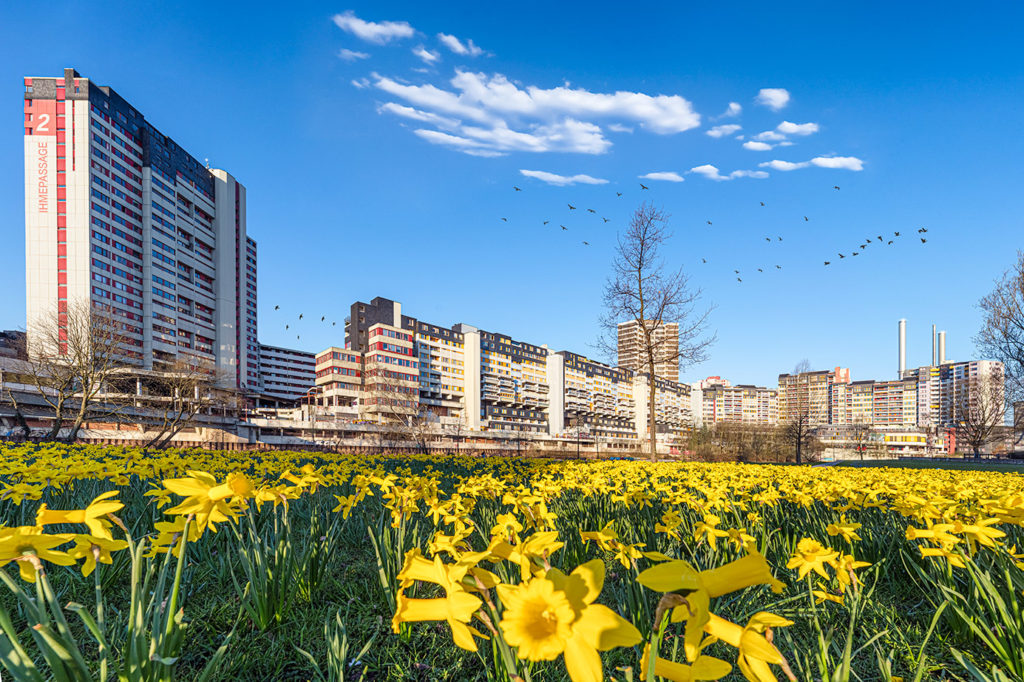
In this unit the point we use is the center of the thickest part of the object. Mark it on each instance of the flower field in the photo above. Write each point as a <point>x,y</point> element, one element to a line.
<point>119,563</point>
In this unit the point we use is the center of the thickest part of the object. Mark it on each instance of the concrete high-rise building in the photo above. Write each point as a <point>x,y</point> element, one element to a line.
<point>810,396</point>
<point>287,374</point>
<point>665,340</point>
<point>120,217</point>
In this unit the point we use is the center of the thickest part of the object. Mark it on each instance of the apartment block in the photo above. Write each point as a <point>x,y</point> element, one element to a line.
<point>809,395</point>
<point>391,375</point>
<point>118,216</point>
<point>287,374</point>
<point>339,380</point>
<point>590,395</point>
<point>664,340</point>
<point>719,401</point>
<point>947,389</point>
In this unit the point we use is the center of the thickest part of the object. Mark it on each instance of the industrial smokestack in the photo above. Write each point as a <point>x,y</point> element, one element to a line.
<point>933,345</point>
<point>942,348</point>
<point>903,347</point>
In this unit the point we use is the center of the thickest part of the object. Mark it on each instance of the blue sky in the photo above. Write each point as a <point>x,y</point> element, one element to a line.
<point>348,201</point>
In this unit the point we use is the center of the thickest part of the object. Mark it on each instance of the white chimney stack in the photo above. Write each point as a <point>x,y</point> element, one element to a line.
<point>942,348</point>
<point>933,346</point>
<point>903,347</point>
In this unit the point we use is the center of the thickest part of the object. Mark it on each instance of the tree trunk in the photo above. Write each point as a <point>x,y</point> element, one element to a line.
<point>653,418</point>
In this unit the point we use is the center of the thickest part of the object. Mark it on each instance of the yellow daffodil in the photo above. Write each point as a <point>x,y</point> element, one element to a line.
<point>556,615</point>
<point>846,529</point>
<point>811,556</point>
<point>704,668</point>
<point>456,607</point>
<point>92,516</point>
<point>755,652</point>
<point>28,545</point>
<point>92,549</point>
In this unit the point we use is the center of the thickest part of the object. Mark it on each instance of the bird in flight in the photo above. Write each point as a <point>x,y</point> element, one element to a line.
<point>709,222</point>
<point>604,219</point>
<point>643,186</point>
<point>923,240</point>
<point>300,316</point>
<point>806,218</point>
<point>736,271</point>
<point>890,242</point>
<point>868,239</point>
<point>835,186</point>
<point>760,270</point>
<point>586,243</point>
<point>571,207</point>
<point>516,188</point>
<point>828,262</point>
<point>563,227</point>
<point>896,233</point>
<point>277,307</point>
<point>704,260</point>
<point>856,253</point>
<point>863,246</point>
<point>324,317</point>
<point>504,220</point>
<point>738,279</point>
<point>762,203</point>
<point>778,267</point>
<point>286,327</point>
<point>879,237</point>
<point>923,229</point>
<point>767,239</point>
<point>780,239</point>
<point>618,194</point>
<point>591,210</point>
<point>333,323</point>
<point>842,256</point>
<point>297,337</point>
<point>546,222</point>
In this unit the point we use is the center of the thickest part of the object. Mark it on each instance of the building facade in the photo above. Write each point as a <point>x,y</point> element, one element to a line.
<point>665,341</point>
<point>808,396</point>
<point>120,218</point>
<point>287,374</point>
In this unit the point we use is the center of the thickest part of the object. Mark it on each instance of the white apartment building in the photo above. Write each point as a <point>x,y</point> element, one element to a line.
<point>119,216</point>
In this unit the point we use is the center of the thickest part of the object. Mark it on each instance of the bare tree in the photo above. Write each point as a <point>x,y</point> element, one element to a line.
<point>177,395</point>
<point>797,422</point>
<point>642,288</point>
<point>860,434</point>
<point>72,353</point>
<point>393,401</point>
<point>1002,331</point>
<point>979,411</point>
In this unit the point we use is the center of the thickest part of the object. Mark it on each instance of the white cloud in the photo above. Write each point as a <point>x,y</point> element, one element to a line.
<point>788,128</point>
<point>565,136</point>
<point>667,176</point>
<point>757,146</point>
<point>467,49</point>
<point>428,56</point>
<point>352,55</point>
<point>773,98</point>
<point>417,115</point>
<point>619,128</point>
<point>361,83</point>
<point>723,130</point>
<point>501,116</point>
<point>778,165</point>
<point>563,180</point>
<point>770,135</point>
<point>711,173</point>
<point>734,109</point>
<point>379,33</point>
<point>843,162</point>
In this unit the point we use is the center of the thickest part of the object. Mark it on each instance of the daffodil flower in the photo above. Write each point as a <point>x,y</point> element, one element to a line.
<point>556,615</point>
<point>92,516</point>
<point>456,607</point>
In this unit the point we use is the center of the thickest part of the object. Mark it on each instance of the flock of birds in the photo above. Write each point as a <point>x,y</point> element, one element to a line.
<point>323,320</point>
<point>778,238</point>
